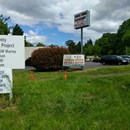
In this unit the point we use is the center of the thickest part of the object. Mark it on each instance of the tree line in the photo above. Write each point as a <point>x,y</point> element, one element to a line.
<point>110,43</point>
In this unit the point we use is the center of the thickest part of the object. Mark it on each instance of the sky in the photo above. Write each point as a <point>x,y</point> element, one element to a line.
<point>52,21</point>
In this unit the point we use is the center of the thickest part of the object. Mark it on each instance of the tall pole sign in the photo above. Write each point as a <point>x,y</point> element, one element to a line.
<point>82,20</point>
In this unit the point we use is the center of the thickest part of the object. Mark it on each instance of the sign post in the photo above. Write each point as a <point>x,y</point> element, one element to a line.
<point>81,40</point>
<point>82,20</point>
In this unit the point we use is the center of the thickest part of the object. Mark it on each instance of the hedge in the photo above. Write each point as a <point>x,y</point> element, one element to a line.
<point>48,58</point>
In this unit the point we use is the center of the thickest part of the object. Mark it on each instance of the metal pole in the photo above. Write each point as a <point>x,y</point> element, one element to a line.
<point>82,45</point>
<point>81,40</point>
<point>11,97</point>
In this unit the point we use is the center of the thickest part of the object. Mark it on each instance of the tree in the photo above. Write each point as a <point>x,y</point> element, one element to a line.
<point>96,50</point>
<point>40,44</point>
<point>71,46</point>
<point>126,39</point>
<point>88,48</point>
<point>88,51</point>
<point>123,36</point>
<point>123,28</point>
<point>17,30</point>
<point>108,44</point>
<point>52,45</point>
<point>78,48</point>
<point>3,25</point>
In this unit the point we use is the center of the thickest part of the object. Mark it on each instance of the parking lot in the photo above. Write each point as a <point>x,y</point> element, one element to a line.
<point>90,65</point>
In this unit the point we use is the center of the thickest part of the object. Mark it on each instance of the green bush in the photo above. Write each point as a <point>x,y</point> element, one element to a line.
<point>48,58</point>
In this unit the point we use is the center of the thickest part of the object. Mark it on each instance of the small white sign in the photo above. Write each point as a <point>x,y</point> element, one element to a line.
<point>12,51</point>
<point>73,60</point>
<point>5,80</point>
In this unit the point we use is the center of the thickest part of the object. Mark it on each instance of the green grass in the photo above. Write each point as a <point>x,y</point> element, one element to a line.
<point>85,101</point>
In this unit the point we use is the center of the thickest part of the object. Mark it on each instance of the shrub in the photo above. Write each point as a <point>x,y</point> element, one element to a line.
<point>48,58</point>
<point>28,62</point>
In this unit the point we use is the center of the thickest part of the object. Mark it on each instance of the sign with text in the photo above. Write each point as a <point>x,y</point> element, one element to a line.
<point>82,19</point>
<point>73,60</point>
<point>5,80</point>
<point>12,51</point>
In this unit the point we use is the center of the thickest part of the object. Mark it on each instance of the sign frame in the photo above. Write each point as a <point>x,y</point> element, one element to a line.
<point>12,51</point>
<point>82,19</point>
<point>73,60</point>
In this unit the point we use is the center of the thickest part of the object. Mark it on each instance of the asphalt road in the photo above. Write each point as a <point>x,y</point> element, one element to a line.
<point>88,65</point>
<point>91,65</point>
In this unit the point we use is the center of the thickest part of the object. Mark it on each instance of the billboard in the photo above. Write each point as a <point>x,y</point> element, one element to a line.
<point>82,19</point>
<point>12,51</point>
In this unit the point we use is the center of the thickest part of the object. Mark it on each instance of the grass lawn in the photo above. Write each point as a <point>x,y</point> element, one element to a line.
<point>87,100</point>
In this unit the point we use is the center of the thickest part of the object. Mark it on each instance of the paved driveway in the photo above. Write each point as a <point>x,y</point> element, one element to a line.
<point>90,65</point>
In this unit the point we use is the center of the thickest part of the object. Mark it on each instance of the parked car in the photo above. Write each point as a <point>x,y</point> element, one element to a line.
<point>127,57</point>
<point>87,60</point>
<point>96,60</point>
<point>113,59</point>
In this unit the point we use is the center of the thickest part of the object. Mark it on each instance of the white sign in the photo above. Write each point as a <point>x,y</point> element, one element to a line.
<point>70,60</point>
<point>82,19</point>
<point>5,80</point>
<point>12,52</point>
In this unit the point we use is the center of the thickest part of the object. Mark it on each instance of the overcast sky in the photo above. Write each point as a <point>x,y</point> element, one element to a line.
<point>52,21</point>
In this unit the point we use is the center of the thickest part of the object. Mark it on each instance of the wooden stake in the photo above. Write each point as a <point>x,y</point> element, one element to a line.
<point>31,75</point>
<point>65,75</point>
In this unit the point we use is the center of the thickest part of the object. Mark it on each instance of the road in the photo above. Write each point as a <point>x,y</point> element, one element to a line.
<point>91,65</point>
<point>88,65</point>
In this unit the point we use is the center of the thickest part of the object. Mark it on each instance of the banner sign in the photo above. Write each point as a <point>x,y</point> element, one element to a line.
<point>12,51</point>
<point>73,60</point>
<point>5,80</point>
<point>82,19</point>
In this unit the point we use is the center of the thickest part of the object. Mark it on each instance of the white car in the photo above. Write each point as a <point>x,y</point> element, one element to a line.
<point>127,57</point>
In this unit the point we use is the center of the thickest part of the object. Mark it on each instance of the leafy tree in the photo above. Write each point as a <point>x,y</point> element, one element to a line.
<point>88,51</point>
<point>123,28</point>
<point>104,44</point>
<point>123,36</point>
<point>88,48</point>
<point>40,44</point>
<point>96,50</point>
<point>3,25</point>
<point>17,30</point>
<point>52,45</point>
<point>78,48</point>
<point>113,41</point>
<point>71,46</point>
<point>126,39</point>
